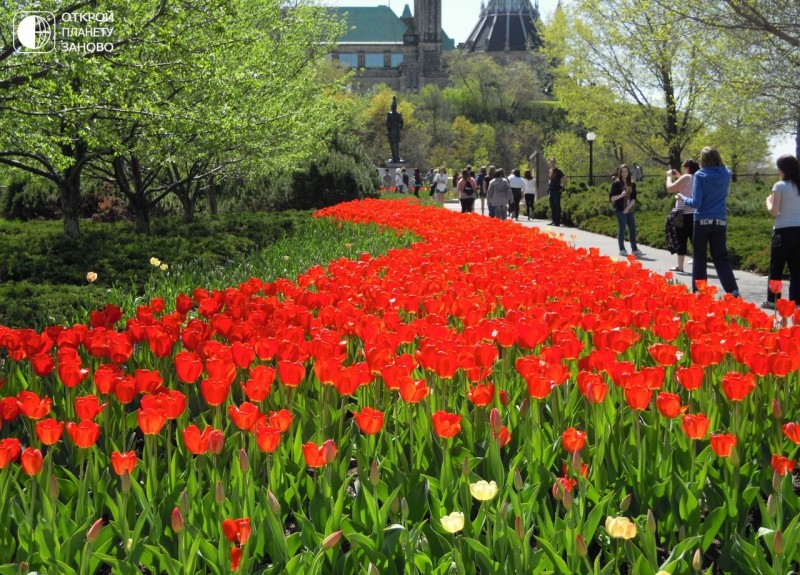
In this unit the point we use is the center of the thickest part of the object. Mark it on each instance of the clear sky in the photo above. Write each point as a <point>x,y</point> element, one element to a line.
<point>458,16</point>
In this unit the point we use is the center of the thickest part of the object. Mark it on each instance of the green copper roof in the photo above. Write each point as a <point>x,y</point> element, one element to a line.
<point>379,24</point>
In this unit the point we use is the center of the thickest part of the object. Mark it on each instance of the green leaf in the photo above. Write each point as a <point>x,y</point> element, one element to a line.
<point>712,525</point>
<point>558,562</point>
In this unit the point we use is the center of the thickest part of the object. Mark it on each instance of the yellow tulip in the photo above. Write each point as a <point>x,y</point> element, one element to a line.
<point>454,522</point>
<point>155,262</point>
<point>163,267</point>
<point>620,527</point>
<point>662,572</point>
<point>91,277</point>
<point>483,491</point>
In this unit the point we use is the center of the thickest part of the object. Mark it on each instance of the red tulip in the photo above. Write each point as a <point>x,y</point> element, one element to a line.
<point>638,397</point>
<point>31,461</point>
<point>775,286</point>
<point>573,440</point>
<point>695,426</point>
<point>664,354</point>
<point>319,456</point>
<point>43,364</point>
<point>125,389</point>
<point>49,431</point>
<point>84,434</point>
<point>481,395</point>
<point>88,407</point>
<point>122,462</point>
<point>785,307</point>
<point>446,425</point>
<point>413,391</point>
<point>782,465</point>
<point>268,437</point>
<point>188,366</point>
<point>244,416</point>
<point>792,431</point>
<point>281,419</point>
<point>370,421</point>
<point>32,406</point>
<point>214,391</point>
<point>258,387</point>
<point>10,449</point>
<point>151,421</point>
<point>216,441</point>
<point>9,409</point>
<point>237,531</point>
<point>503,436</point>
<point>690,377</point>
<point>196,442</point>
<point>722,443</point>
<point>147,381</point>
<point>291,373</point>
<point>669,405</point>
<point>737,386</point>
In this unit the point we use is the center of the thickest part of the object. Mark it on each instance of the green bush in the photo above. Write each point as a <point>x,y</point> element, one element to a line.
<point>28,198</point>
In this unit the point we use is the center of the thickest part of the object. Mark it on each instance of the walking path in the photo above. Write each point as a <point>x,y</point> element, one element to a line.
<point>752,287</point>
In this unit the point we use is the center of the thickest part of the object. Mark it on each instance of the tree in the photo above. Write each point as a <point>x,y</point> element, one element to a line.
<point>626,74</point>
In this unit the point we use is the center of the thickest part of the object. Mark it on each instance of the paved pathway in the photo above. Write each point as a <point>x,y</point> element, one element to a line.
<point>752,287</point>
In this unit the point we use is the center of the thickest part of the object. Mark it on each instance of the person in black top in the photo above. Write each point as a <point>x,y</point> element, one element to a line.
<point>623,196</point>
<point>556,180</point>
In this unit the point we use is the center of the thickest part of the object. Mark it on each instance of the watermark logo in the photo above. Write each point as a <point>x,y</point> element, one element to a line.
<point>36,31</point>
<point>82,32</point>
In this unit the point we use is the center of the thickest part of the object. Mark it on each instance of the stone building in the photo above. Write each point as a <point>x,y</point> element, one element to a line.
<point>506,29</point>
<point>403,52</point>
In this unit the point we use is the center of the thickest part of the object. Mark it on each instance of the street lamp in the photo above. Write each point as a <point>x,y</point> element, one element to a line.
<point>591,137</point>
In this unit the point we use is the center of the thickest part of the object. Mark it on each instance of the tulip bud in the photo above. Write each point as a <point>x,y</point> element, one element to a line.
<point>524,407</point>
<point>567,499</point>
<point>651,521</point>
<point>519,529</point>
<point>777,543</point>
<point>404,508</point>
<point>776,481</point>
<point>177,520</point>
<point>273,503</point>
<point>681,533</point>
<point>23,565</point>
<point>580,546</point>
<point>558,491</point>
<point>244,462</point>
<point>772,505</point>
<point>128,545</point>
<point>465,467</point>
<point>216,441</point>
<point>697,560</point>
<point>374,474</point>
<point>734,457</point>
<point>52,488</point>
<point>183,504</point>
<point>626,502</point>
<point>331,540</point>
<point>518,484</point>
<point>219,494</point>
<point>777,412</point>
<point>372,570</point>
<point>126,482</point>
<point>576,460</point>
<point>94,531</point>
<point>504,398</point>
<point>495,420</point>
<point>505,508</point>
<point>329,451</point>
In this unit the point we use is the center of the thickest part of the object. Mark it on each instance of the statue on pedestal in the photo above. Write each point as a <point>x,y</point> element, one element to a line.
<point>394,123</point>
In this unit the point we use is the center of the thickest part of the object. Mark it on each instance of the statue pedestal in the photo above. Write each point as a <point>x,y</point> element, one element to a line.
<point>399,164</point>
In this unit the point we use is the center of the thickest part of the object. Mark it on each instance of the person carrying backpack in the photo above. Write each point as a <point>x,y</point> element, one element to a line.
<point>467,188</point>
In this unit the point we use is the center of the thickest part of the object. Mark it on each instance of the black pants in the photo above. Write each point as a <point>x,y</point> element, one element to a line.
<point>714,234</point>
<point>467,205</point>
<point>685,234</point>
<point>555,206</point>
<point>529,204</point>
<point>513,207</point>
<point>785,250</point>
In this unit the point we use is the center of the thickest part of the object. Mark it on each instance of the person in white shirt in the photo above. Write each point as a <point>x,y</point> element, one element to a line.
<point>441,183</point>
<point>783,204</point>
<point>529,192</point>
<point>516,183</point>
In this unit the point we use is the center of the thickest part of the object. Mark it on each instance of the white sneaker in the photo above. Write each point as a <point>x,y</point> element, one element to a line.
<point>623,253</point>
<point>639,253</point>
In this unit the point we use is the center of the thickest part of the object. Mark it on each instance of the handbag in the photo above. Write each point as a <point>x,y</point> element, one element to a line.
<point>677,218</point>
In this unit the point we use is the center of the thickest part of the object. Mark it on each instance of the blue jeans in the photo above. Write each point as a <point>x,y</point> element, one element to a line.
<point>555,206</point>
<point>501,212</point>
<point>712,233</point>
<point>622,221</point>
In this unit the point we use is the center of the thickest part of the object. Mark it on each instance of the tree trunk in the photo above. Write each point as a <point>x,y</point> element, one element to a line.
<point>142,212</point>
<point>211,194</point>
<point>70,191</point>
<point>188,202</point>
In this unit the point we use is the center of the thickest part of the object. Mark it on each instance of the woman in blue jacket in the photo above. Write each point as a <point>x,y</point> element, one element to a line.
<point>709,197</point>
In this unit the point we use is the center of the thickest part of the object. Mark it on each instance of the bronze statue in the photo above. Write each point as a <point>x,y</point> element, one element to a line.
<point>394,123</point>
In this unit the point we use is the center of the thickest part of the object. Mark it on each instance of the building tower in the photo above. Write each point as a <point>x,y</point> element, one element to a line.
<point>506,27</point>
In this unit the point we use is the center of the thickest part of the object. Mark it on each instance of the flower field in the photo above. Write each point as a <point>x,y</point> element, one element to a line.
<point>488,400</point>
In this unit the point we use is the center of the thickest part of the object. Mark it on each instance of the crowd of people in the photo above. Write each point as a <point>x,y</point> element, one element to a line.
<point>699,216</point>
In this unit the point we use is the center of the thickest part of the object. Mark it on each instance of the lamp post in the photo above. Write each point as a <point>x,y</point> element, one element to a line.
<point>591,137</point>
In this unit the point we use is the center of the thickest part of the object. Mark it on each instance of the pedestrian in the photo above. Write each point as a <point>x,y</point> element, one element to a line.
<point>441,182</point>
<point>499,195</point>
<point>529,192</point>
<point>429,177</point>
<point>783,204</point>
<point>482,187</point>
<point>680,222</point>
<point>417,181</point>
<point>516,183</point>
<point>398,181</point>
<point>638,172</point>
<point>486,181</point>
<point>387,180</point>
<point>406,181</point>
<point>556,180</point>
<point>710,188</point>
<point>467,189</point>
<point>623,196</point>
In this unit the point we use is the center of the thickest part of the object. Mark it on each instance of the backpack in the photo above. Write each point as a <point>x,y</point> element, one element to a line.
<point>468,189</point>
<point>405,180</point>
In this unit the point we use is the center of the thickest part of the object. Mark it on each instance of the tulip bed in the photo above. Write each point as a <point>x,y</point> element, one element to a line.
<point>488,400</point>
